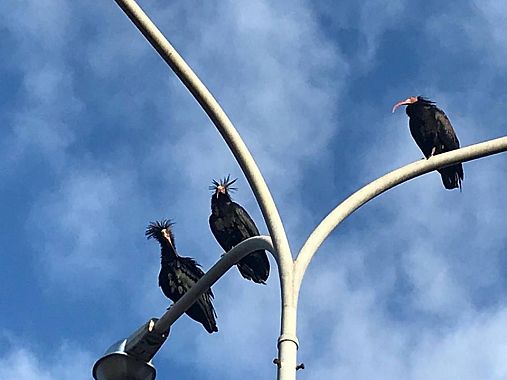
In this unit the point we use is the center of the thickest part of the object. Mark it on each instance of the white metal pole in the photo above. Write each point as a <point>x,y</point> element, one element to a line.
<point>287,344</point>
<point>219,119</point>
<point>382,184</point>
<point>210,277</point>
<point>132,357</point>
<point>290,272</point>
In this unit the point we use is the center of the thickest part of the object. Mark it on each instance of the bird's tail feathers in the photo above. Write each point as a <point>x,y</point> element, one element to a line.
<point>255,267</point>
<point>452,177</point>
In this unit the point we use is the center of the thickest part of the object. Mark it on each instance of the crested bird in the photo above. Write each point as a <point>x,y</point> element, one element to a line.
<point>178,274</point>
<point>432,131</point>
<point>231,224</point>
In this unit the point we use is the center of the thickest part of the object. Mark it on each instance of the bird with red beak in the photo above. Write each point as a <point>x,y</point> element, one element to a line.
<point>405,102</point>
<point>432,131</point>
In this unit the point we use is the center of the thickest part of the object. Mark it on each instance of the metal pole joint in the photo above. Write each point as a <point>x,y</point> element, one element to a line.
<point>288,338</point>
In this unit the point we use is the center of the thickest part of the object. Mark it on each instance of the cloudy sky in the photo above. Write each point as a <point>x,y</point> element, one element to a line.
<point>98,138</point>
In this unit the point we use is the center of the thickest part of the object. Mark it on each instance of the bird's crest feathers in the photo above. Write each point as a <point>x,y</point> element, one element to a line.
<point>226,183</point>
<point>425,101</point>
<point>154,230</point>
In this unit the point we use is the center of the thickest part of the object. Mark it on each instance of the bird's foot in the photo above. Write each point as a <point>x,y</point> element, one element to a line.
<point>433,150</point>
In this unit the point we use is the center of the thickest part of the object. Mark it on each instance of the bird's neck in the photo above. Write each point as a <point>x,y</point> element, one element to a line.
<point>167,252</point>
<point>219,202</point>
<point>419,110</point>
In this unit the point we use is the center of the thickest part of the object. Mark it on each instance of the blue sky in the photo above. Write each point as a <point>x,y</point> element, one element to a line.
<point>99,138</point>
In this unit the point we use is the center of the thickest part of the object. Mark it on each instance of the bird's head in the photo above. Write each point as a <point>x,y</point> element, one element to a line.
<point>420,100</point>
<point>406,102</point>
<point>161,231</point>
<point>223,186</point>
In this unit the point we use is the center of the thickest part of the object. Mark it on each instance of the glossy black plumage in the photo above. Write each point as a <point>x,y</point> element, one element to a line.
<point>434,134</point>
<point>231,224</point>
<point>178,274</point>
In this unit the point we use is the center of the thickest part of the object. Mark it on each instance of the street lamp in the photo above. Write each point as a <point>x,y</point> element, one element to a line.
<point>116,364</point>
<point>130,359</point>
<point>291,270</point>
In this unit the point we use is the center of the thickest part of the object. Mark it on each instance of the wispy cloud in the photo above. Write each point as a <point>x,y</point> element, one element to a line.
<point>20,361</point>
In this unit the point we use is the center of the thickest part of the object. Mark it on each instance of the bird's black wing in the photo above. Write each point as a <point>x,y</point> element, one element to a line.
<point>255,266</point>
<point>245,223</point>
<point>219,230</point>
<point>446,132</point>
<point>175,281</point>
<point>190,273</point>
<point>451,175</point>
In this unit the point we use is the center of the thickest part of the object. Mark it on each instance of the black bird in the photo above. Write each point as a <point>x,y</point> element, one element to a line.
<point>231,224</point>
<point>433,133</point>
<point>178,274</point>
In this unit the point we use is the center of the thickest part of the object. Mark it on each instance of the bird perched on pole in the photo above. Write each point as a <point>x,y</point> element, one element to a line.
<point>231,224</point>
<point>178,274</point>
<point>433,133</point>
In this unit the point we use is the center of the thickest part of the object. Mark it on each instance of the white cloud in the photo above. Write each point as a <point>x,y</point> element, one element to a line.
<point>41,120</point>
<point>436,289</point>
<point>77,229</point>
<point>66,362</point>
<point>345,334</point>
<point>487,30</point>
<point>474,349</point>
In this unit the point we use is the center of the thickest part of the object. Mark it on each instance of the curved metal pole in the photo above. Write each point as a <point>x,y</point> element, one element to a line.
<point>210,277</point>
<point>382,184</point>
<point>287,342</point>
<point>291,272</point>
<point>140,347</point>
<point>221,121</point>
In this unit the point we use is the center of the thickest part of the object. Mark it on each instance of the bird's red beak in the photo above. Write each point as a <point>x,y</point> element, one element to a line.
<point>405,102</point>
